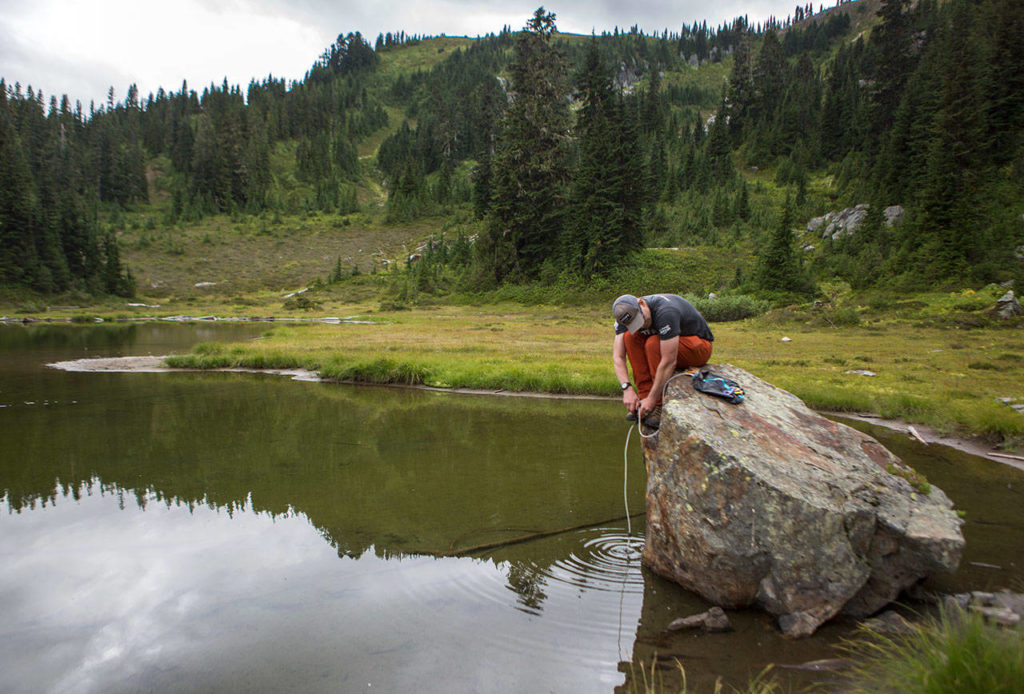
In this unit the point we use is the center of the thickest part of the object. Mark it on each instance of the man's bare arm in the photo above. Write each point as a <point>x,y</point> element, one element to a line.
<point>629,396</point>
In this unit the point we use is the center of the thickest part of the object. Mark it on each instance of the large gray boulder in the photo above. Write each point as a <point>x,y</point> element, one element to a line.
<point>768,503</point>
<point>1008,306</point>
<point>839,224</point>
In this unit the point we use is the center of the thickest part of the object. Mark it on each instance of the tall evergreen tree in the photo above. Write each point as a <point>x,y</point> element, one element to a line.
<point>1000,27</point>
<point>740,97</point>
<point>954,166</point>
<point>606,193</point>
<point>717,146</point>
<point>844,121</point>
<point>900,166</point>
<point>893,64</point>
<point>798,117</point>
<point>483,176</point>
<point>19,261</point>
<point>531,162</point>
<point>770,77</point>
<point>778,266</point>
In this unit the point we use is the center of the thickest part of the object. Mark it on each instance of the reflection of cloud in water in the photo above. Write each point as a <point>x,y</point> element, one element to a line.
<point>126,591</point>
<point>101,593</point>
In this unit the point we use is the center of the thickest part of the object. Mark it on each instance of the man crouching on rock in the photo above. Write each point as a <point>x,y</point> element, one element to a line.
<point>659,334</point>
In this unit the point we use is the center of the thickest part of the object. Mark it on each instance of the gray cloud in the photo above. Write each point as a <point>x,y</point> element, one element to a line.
<point>159,43</point>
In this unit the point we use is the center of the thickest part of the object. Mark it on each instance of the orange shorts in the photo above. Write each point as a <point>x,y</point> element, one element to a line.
<point>644,352</point>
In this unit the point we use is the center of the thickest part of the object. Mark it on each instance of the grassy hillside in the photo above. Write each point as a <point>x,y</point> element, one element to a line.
<point>232,255</point>
<point>311,221</point>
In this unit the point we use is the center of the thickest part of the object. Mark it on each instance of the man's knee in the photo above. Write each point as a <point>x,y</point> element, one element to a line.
<point>693,351</point>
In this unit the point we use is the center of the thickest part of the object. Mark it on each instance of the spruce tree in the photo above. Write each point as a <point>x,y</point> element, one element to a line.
<point>531,162</point>
<point>483,176</point>
<point>770,77</point>
<point>740,96</point>
<point>894,62</point>
<point>606,194</point>
<point>1000,29</point>
<point>778,266</point>
<point>19,262</point>
<point>116,280</point>
<point>948,199</point>
<point>719,153</point>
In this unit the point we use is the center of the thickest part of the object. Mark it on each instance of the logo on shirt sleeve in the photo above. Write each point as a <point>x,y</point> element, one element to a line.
<point>665,329</point>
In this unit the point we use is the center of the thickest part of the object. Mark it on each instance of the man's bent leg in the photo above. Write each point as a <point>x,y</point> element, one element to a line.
<point>693,351</point>
<point>639,360</point>
<point>652,349</point>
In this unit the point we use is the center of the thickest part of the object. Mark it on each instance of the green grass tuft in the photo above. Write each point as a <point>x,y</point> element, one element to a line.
<point>377,371</point>
<point>959,652</point>
<point>917,480</point>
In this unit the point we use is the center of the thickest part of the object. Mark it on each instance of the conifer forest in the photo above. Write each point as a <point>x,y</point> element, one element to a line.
<point>563,155</point>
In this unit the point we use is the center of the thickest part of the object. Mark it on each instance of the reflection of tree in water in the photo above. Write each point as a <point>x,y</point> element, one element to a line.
<point>75,337</point>
<point>528,583</point>
<point>404,472</point>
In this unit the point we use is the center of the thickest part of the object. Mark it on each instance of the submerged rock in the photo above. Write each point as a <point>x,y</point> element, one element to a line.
<point>768,503</point>
<point>889,622</point>
<point>714,620</point>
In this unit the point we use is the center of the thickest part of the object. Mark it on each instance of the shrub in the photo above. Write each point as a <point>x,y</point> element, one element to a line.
<point>729,308</point>
<point>301,303</point>
<point>846,316</point>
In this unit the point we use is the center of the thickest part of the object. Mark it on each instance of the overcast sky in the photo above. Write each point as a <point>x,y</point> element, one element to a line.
<point>83,48</point>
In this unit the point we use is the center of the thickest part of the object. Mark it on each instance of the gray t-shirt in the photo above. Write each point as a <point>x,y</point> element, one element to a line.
<point>672,315</point>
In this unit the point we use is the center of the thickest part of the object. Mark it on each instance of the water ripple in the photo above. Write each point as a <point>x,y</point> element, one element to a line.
<point>609,562</point>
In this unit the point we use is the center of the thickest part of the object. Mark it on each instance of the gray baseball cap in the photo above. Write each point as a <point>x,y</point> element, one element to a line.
<point>627,312</point>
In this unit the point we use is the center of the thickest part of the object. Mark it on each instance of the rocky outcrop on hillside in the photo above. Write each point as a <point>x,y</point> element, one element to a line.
<point>627,75</point>
<point>836,225</point>
<point>767,503</point>
<point>1008,306</point>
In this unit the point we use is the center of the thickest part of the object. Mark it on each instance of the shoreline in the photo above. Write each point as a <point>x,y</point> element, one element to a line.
<point>151,364</point>
<point>923,434</point>
<point>154,364</point>
<point>330,320</point>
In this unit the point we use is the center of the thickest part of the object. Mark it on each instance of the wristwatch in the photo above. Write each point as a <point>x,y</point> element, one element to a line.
<point>625,384</point>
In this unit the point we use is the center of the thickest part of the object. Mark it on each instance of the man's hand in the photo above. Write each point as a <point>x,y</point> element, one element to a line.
<point>630,399</point>
<point>647,405</point>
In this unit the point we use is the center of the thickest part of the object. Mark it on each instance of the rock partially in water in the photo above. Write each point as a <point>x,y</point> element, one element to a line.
<point>1004,608</point>
<point>714,620</point>
<point>1003,616</point>
<point>824,665</point>
<point>889,622</point>
<point>768,503</point>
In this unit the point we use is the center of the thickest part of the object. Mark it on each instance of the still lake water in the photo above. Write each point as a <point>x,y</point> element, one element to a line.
<point>239,532</point>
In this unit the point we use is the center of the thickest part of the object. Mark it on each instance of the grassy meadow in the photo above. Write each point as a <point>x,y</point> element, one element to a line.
<point>939,358</point>
<point>926,361</point>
